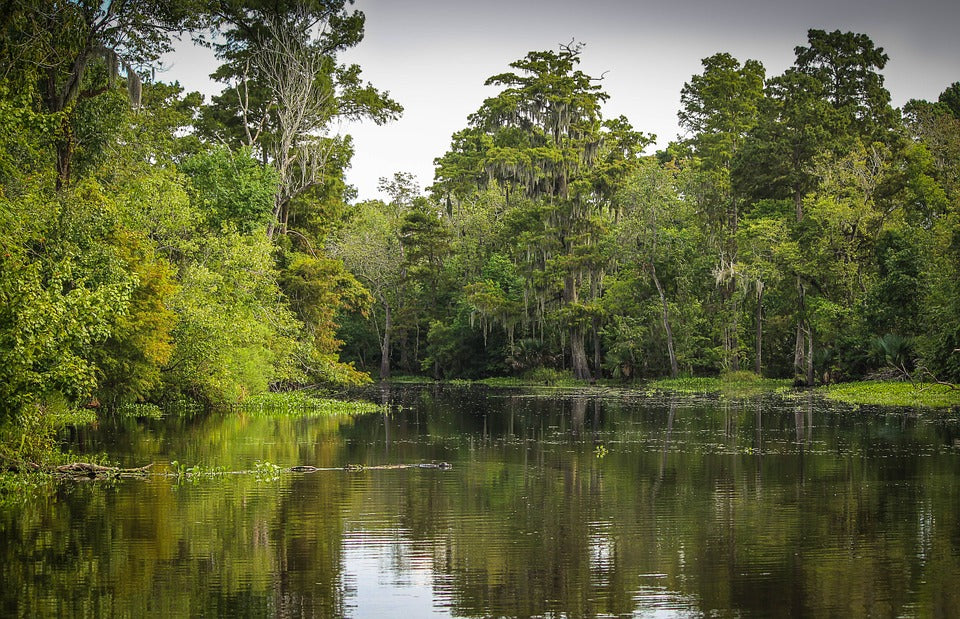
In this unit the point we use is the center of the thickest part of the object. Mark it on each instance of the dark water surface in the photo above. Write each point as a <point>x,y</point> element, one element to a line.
<point>558,504</point>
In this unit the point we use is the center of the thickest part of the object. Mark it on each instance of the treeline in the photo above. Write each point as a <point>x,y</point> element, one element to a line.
<point>801,227</point>
<point>154,246</point>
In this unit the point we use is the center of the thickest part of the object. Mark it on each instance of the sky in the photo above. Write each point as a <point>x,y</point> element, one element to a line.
<point>433,57</point>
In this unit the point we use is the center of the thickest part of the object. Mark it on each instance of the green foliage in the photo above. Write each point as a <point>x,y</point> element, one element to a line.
<point>894,303</point>
<point>266,471</point>
<point>287,88</point>
<point>129,362</point>
<point>133,257</point>
<point>794,227</point>
<point>303,403</point>
<point>231,188</point>
<point>194,473</point>
<point>29,440</point>
<point>893,394</point>
<point>234,335</point>
<point>65,287</point>
<point>317,289</point>
<point>454,349</point>
<point>731,384</point>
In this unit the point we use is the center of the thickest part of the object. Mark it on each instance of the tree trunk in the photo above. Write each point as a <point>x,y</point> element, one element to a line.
<point>674,369</point>
<point>759,359</point>
<point>798,354</point>
<point>578,349</point>
<point>735,338</point>
<point>578,355</point>
<point>385,344</point>
<point>798,350</point>
<point>595,332</point>
<point>597,357</point>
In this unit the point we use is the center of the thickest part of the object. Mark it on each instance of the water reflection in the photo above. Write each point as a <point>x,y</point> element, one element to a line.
<point>694,507</point>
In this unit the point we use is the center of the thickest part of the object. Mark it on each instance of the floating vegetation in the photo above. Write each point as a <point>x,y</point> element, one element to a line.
<point>412,379</point>
<point>195,472</point>
<point>73,417</point>
<point>303,403</point>
<point>267,471</point>
<point>536,378</point>
<point>893,393</point>
<point>139,410</point>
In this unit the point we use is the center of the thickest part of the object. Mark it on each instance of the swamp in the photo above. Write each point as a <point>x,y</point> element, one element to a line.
<point>577,370</point>
<point>591,502</point>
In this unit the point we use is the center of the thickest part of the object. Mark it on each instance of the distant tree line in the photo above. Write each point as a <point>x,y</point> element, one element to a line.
<point>802,227</point>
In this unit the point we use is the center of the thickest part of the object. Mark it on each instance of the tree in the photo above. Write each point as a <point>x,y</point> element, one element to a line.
<point>75,49</point>
<point>719,108</point>
<point>831,101</point>
<point>65,288</point>
<point>767,256</point>
<point>317,288</point>
<point>286,89</point>
<point>545,132</point>
<point>231,189</point>
<point>848,66</point>
<point>650,231</point>
<point>936,127</point>
<point>372,249</point>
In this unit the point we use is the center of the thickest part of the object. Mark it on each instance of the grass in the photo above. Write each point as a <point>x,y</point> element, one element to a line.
<point>303,404</point>
<point>890,393</point>
<point>139,411</point>
<point>538,377</point>
<point>731,384</point>
<point>413,379</point>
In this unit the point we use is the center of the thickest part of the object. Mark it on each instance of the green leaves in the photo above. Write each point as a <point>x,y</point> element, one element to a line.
<point>231,188</point>
<point>64,289</point>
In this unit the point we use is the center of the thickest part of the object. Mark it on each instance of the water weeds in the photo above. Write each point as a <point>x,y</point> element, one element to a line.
<point>266,471</point>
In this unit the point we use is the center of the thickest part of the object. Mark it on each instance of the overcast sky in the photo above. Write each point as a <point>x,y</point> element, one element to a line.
<point>434,55</point>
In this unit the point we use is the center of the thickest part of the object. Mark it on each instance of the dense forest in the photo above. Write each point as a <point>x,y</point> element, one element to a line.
<point>158,246</point>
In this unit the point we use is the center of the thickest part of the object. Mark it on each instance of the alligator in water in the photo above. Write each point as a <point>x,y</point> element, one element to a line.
<point>377,467</point>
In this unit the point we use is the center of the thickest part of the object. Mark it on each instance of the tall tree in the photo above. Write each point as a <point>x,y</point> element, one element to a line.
<point>719,108</point>
<point>848,66</point>
<point>649,233</point>
<point>830,101</point>
<point>372,247</point>
<point>545,132</point>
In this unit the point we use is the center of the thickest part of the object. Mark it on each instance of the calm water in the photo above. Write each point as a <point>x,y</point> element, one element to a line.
<point>558,505</point>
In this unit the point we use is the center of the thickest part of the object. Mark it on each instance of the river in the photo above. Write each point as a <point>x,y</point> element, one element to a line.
<point>593,503</point>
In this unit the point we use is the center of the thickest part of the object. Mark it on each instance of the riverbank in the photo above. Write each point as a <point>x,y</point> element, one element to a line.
<point>32,442</point>
<point>742,384</point>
